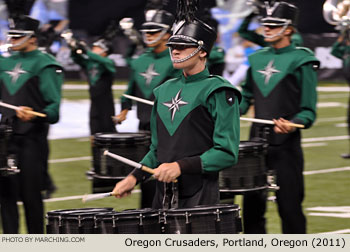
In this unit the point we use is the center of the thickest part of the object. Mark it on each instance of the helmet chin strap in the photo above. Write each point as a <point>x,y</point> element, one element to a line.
<point>163,32</point>
<point>277,34</point>
<point>19,43</point>
<point>200,45</point>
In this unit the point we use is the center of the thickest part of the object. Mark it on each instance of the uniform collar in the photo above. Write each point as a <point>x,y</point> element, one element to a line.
<point>196,77</point>
<point>161,54</point>
<point>291,47</point>
<point>28,54</point>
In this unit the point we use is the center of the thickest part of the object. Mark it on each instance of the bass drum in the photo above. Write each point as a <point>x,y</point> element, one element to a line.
<point>250,172</point>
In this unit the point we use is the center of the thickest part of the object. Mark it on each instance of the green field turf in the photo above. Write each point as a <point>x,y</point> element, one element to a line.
<point>327,189</point>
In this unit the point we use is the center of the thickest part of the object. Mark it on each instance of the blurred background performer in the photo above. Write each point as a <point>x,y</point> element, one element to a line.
<point>341,48</point>
<point>32,80</point>
<point>100,71</point>
<point>282,83</point>
<point>148,71</point>
<point>253,36</point>
<point>195,122</point>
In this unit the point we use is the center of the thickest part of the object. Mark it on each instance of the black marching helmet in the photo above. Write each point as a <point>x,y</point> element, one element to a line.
<point>23,26</point>
<point>157,21</point>
<point>105,45</point>
<point>191,31</point>
<point>279,14</point>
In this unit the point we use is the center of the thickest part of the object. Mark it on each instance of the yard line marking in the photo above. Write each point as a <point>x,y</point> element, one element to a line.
<point>86,87</point>
<point>333,89</point>
<point>340,209</point>
<point>306,145</point>
<point>329,104</point>
<point>337,215</point>
<point>322,139</point>
<point>327,170</point>
<point>342,231</point>
<point>331,119</point>
<point>64,160</point>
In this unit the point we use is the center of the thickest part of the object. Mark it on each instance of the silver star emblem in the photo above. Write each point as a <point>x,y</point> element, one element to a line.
<point>93,72</point>
<point>269,71</point>
<point>149,74</point>
<point>174,104</point>
<point>16,72</point>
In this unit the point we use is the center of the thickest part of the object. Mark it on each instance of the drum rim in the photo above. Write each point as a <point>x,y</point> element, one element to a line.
<point>129,214</point>
<point>256,146</point>
<point>134,137</point>
<point>203,210</point>
<point>60,212</point>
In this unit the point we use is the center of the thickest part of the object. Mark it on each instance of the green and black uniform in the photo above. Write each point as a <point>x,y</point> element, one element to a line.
<point>100,72</point>
<point>342,51</point>
<point>32,79</point>
<point>148,71</point>
<point>281,83</point>
<point>195,121</point>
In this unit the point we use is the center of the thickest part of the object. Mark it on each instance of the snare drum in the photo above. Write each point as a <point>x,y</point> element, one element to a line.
<point>142,221</point>
<point>250,172</point>
<point>216,219</point>
<point>73,221</point>
<point>133,146</point>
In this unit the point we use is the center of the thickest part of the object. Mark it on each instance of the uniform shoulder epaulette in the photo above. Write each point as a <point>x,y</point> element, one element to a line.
<point>305,49</point>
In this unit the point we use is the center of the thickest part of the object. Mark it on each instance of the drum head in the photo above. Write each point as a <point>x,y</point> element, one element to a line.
<point>121,138</point>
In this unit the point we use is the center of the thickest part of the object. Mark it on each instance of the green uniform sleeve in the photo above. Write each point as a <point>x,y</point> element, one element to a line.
<point>338,50</point>
<point>226,134</point>
<point>251,35</point>
<point>307,115</point>
<point>107,63</point>
<point>247,93</point>
<point>51,80</point>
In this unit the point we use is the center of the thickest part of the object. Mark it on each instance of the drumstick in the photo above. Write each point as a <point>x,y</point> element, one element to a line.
<point>97,196</point>
<point>139,99</point>
<point>3,104</point>
<point>255,120</point>
<point>130,162</point>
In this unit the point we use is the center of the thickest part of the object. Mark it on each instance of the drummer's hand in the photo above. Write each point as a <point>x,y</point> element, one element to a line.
<point>124,187</point>
<point>23,115</point>
<point>167,172</point>
<point>281,127</point>
<point>121,117</point>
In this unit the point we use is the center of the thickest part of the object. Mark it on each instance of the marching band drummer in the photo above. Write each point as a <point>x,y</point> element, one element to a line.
<point>195,123</point>
<point>282,83</point>
<point>32,80</point>
<point>148,71</point>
